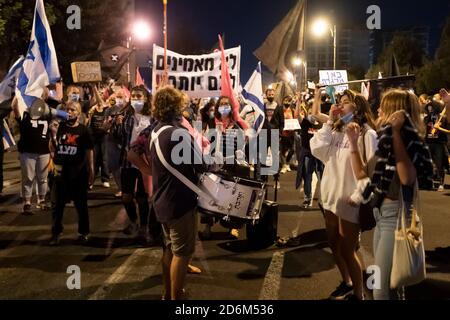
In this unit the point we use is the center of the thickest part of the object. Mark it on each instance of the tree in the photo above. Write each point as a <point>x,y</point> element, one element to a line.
<point>410,56</point>
<point>435,74</point>
<point>106,20</point>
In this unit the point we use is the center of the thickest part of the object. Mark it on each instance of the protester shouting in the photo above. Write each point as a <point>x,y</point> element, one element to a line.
<point>34,153</point>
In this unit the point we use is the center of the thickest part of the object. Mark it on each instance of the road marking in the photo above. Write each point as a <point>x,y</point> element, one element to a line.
<point>46,227</point>
<point>121,273</point>
<point>271,286</point>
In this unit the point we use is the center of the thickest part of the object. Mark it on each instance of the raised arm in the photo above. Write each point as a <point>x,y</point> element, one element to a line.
<point>405,167</point>
<point>353,132</point>
<point>316,112</point>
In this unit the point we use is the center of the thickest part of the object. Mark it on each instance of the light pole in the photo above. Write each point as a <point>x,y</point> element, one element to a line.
<point>140,31</point>
<point>298,63</point>
<point>319,28</point>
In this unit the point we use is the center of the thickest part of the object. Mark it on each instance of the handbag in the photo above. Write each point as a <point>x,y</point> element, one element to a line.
<point>366,218</point>
<point>408,263</point>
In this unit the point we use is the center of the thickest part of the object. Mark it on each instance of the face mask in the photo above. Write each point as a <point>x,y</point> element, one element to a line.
<point>119,102</point>
<point>211,115</point>
<point>270,99</point>
<point>137,105</point>
<point>347,118</point>
<point>75,97</point>
<point>225,110</point>
<point>287,105</point>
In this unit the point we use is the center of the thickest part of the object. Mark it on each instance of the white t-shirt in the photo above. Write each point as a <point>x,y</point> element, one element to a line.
<point>338,181</point>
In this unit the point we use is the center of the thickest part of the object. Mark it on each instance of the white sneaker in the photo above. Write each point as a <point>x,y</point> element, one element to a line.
<point>283,170</point>
<point>106,184</point>
<point>441,188</point>
<point>288,168</point>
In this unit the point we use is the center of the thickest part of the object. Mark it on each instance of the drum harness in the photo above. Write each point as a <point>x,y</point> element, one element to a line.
<point>213,201</point>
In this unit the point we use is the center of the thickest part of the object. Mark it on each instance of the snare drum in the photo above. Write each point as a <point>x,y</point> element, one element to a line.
<point>231,197</point>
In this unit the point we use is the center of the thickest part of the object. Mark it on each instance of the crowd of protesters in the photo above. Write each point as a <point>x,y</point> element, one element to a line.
<point>111,133</point>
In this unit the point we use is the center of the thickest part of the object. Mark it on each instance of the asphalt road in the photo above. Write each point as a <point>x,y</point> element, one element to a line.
<point>114,266</point>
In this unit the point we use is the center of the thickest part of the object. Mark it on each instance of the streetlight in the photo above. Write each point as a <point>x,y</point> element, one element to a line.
<point>297,63</point>
<point>140,31</point>
<point>319,28</point>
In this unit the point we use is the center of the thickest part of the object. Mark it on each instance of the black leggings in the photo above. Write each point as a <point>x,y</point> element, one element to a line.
<point>438,154</point>
<point>133,188</point>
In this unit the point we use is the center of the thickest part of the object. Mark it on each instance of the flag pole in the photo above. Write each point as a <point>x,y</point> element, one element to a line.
<point>165,75</point>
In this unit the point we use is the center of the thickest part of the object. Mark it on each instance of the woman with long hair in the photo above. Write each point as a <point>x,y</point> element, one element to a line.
<point>331,145</point>
<point>128,124</point>
<point>399,126</point>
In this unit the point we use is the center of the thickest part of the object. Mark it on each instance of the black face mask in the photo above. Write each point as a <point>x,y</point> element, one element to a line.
<point>270,99</point>
<point>287,105</point>
<point>71,122</point>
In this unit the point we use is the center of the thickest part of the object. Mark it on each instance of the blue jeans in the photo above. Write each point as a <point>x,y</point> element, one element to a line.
<point>310,166</point>
<point>383,247</point>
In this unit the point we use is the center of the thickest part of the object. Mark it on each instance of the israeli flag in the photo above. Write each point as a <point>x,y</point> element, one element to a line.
<point>253,94</point>
<point>40,67</point>
<point>8,85</point>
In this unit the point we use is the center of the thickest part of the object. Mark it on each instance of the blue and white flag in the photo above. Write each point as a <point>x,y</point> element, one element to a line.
<point>253,94</point>
<point>8,85</point>
<point>40,67</point>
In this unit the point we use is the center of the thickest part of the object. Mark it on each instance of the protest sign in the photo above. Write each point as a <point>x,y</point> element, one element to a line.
<point>197,75</point>
<point>329,77</point>
<point>87,71</point>
<point>291,125</point>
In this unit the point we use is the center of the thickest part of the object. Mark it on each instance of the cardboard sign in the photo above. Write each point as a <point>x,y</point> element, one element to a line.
<point>87,71</point>
<point>330,77</point>
<point>291,125</point>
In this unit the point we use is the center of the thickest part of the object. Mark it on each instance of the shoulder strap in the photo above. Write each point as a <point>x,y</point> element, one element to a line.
<point>154,140</point>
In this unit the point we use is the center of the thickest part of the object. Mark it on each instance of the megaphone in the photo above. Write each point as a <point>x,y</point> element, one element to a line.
<point>40,110</point>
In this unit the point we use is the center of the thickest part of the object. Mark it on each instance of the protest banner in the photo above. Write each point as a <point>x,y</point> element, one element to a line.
<point>86,71</point>
<point>197,75</point>
<point>331,77</point>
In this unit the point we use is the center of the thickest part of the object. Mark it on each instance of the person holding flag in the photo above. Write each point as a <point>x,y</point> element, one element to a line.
<point>7,87</point>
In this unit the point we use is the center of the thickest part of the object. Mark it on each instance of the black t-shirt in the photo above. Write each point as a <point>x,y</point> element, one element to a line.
<point>72,146</point>
<point>34,135</point>
<point>172,199</point>
<point>97,121</point>
<point>306,133</point>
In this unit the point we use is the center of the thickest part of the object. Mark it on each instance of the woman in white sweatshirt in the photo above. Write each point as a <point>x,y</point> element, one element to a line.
<point>332,147</point>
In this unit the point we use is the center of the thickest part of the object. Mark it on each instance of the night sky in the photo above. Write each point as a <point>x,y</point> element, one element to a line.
<point>248,22</point>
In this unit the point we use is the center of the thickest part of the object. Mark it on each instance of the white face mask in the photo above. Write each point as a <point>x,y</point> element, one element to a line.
<point>137,105</point>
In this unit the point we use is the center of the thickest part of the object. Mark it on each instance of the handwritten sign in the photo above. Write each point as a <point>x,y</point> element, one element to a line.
<point>330,77</point>
<point>86,71</point>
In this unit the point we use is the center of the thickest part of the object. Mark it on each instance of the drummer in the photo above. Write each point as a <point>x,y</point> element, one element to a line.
<point>229,128</point>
